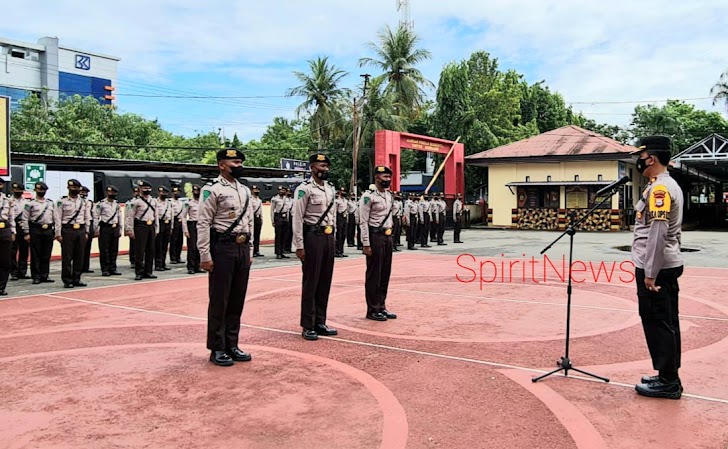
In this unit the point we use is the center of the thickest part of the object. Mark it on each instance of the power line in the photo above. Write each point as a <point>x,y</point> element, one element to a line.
<point>157,147</point>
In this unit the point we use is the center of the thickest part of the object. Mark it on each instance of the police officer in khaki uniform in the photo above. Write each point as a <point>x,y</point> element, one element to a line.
<point>375,214</point>
<point>7,236</point>
<point>342,214</point>
<point>135,195</point>
<point>19,250</point>
<point>351,222</point>
<point>279,218</point>
<point>107,222</point>
<point>411,212</point>
<point>176,241</point>
<point>258,220</point>
<point>73,221</point>
<point>288,246</point>
<point>457,217</point>
<point>225,224</point>
<point>424,217</point>
<point>314,224</point>
<point>38,222</point>
<point>658,265</point>
<point>397,220</point>
<point>91,230</point>
<point>190,230</point>
<point>141,225</point>
<point>165,212</point>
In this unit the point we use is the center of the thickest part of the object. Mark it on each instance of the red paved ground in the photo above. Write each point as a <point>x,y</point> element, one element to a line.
<point>126,366</point>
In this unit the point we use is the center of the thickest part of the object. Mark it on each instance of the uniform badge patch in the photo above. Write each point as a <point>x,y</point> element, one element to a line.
<point>301,194</point>
<point>205,195</point>
<point>366,199</point>
<point>660,203</point>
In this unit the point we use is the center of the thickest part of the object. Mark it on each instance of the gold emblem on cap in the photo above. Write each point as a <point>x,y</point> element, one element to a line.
<point>70,183</point>
<point>321,157</point>
<point>380,169</point>
<point>231,153</point>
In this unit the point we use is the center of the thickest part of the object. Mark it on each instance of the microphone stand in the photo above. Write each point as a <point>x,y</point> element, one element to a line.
<point>565,363</point>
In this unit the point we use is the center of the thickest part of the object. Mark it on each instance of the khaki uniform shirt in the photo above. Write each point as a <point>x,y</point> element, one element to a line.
<point>18,205</point>
<point>658,225</point>
<point>6,213</point>
<point>278,206</point>
<point>178,208</point>
<point>137,209</point>
<point>66,208</point>
<point>423,209</point>
<point>311,202</point>
<point>352,207</point>
<point>257,207</point>
<point>90,207</point>
<point>373,208</point>
<point>165,211</point>
<point>107,212</point>
<point>342,205</point>
<point>222,203</point>
<point>189,213</point>
<point>42,212</point>
<point>457,208</point>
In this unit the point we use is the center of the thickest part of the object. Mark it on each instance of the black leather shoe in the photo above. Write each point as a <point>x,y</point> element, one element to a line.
<point>661,388</point>
<point>14,278</point>
<point>285,257</point>
<point>114,273</point>
<point>309,334</point>
<point>47,280</point>
<point>79,284</point>
<point>322,329</point>
<point>220,358</point>
<point>67,285</point>
<point>36,281</point>
<point>257,255</point>
<point>649,379</point>
<point>88,271</point>
<point>138,277</point>
<point>389,315</point>
<point>190,271</point>
<point>344,255</point>
<point>377,316</point>
<point>237,355</point>
<point>278,256</point>
<point>3,293</point>
<point>166,268</point>
<point>105,274</point>
<point>199,271</point>
<point>149,276</point>
<point>458,241</point>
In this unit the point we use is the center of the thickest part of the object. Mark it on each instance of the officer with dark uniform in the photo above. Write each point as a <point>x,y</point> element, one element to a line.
<point>375,214</point>
<point>351,222</point>
<point>165,212</point>
<point>7,236</point>
<point>38,222</point>
<point>176,241</point>
<point>190,230</point>
<point>107,222</point>
<point>91,231</point>
<point>342,214</point>
<point>73,221</point>
<point>457,217</point>
<point>279,218</point>
<point>225,224</point>
<point>19,250</point>
<point>141,224</point>
<point>258,220</point>
<point>314,223</point>
<point>135,195</point>
<point>658,265</point>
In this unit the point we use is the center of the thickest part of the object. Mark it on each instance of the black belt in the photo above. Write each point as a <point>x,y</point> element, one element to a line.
<point>328,230</point>
<point>4,224</point>
<point>385,231</point>
<point>281,214</point>
<point>230,238</point>
<point>41,225</point>
<point>144,222</point>
<point>108,225</point>
<point>72,226</point>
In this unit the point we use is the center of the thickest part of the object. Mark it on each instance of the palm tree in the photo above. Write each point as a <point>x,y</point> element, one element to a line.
<point>397,56</point>
<point>379,112</point>
<point>720,90</point>
<point>323,98</point>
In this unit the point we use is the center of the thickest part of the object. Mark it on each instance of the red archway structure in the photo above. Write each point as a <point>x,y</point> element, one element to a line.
<point>387,146</point>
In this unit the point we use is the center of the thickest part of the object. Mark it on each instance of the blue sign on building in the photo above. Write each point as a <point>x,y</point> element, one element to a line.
<point>83,62</point>
<point>293,164</point>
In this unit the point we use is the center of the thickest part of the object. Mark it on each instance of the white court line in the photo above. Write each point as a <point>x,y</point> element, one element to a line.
<point>374,345</point>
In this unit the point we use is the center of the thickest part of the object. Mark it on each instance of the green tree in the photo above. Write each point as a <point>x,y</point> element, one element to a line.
<point>397,56</point>
<point>323,98</point>
<point>720,90</point>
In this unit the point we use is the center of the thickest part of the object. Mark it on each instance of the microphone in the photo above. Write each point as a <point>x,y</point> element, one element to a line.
<point>614,185</point>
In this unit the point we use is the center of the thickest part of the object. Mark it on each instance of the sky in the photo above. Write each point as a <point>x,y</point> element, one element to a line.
<point>603,57</point>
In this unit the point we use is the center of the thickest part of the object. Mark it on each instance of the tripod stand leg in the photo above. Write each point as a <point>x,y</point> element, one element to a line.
<point>590,374</point>
<point>536,379</point>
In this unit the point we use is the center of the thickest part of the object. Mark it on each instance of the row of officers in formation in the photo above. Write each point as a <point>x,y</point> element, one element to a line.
<point>156,226</point>
<point>317,219</point>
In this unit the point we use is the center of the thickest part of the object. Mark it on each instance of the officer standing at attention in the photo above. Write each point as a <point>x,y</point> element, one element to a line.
<point>91,230</point>
<point>288,247</point>
<point>410,208</point>
<point>7,236</point>
<point>351,222</point>
<point>165,212</point>
<point>457,217</point>
<point>225,224</point>
<point>73,221</point>
<point>141,227</point>
<point>423,212</point>
<point>279,217</point>
<point>397,222</point>
<point>135,195</point>
<point>375,212</point>
<point>342,214</point>
<point>107,222</point>
<point>658,265</point>
<point>442,215</point>
<point>257,220</point>
<point>314,222</point>
<point>19,250</point>
<point>176,242</point>
<point>38,222</point>
<point>189,221</point>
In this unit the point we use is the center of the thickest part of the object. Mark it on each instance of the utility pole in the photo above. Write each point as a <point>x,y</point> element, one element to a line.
<point>357,135</point>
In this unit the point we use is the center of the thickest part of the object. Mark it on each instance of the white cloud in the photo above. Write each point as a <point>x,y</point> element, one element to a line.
<point>589,51</point>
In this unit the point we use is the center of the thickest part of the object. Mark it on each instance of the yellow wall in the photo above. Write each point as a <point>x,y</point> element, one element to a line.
<point>501,200</point>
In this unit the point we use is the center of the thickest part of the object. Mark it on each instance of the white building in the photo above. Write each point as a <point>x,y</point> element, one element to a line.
<point>27,68</point>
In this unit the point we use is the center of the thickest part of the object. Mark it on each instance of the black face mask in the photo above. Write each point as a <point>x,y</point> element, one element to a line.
<point>40,194</point>
<point>146,192</point>
<point>17,194</point>
<point>237,172</point>
<point>73,191</point>
<point>322,175</point>
<point>196,194</point>
<point>642,165</point>
<point>112,197</point>
<point>385,184</point>
<point>162,196</point>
